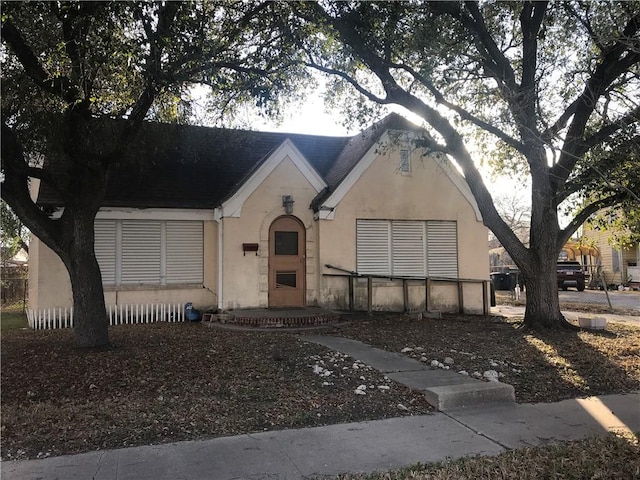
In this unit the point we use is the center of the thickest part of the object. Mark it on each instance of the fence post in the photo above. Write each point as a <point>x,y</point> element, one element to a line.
<point>427,298</point>
<point>350,280</point>
<point>485,306</point>
<point>405,294</point>
<point>24,296</point>
<point>460,297</point>
<point>369,294</point>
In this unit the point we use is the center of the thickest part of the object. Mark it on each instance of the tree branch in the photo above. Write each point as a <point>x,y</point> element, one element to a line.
<point>613,64</point>
<point>531,18</point>
<point>495,61</point>
<point>584,215</point>
<point>464,114</point>
<point>15,191</point>
<point>59,86</point>
<point>350,80</point>
<point>157,42</point>
<point>607,131</point>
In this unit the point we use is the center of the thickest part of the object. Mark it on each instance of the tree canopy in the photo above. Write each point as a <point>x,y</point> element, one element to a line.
<point>70,68</point>
<point>546,89</point>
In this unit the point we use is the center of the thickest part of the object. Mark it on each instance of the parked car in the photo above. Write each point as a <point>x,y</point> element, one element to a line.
<point>570,274</point>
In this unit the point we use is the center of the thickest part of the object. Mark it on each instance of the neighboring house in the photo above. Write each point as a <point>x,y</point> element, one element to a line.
<point>618,264</point>
<point>231,219</point>
<point>18,259</point>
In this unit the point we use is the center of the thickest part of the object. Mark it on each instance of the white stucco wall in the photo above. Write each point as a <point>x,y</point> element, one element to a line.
<point>50,287</point>
<point>245,277</point>
<point>382,192</point>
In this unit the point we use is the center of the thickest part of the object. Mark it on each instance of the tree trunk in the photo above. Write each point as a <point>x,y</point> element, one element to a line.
<point>91,325</point>
<point>540,265</point>
<point>543,304</point>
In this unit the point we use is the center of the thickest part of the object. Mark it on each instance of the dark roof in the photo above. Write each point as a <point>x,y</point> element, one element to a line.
<point>183,166</point>
<point>359,145</point>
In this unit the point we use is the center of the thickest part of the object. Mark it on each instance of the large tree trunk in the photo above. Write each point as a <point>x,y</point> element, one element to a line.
<point>540,262</point>
<point>543,304</point>
<point>91,325</point>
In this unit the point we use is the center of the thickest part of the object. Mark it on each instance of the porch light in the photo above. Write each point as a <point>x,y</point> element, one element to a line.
<point>287,203</point>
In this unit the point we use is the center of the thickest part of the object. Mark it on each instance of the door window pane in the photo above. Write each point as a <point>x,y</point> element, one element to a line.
<point>285,279</point>
<point>286,243</point>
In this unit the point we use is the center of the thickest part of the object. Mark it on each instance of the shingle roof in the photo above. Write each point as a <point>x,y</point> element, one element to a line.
<point>183,166</point>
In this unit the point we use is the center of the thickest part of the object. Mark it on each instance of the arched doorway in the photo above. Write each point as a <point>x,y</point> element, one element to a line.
<point>286,263</point>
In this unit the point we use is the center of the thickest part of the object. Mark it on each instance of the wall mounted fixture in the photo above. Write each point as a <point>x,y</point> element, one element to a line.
<point>287,203</point>
<point>249,247</point>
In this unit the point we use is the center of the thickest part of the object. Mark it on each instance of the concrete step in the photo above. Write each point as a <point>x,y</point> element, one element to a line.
<point>277,318</point>
<point>449,391</point>
<point>444,389</point>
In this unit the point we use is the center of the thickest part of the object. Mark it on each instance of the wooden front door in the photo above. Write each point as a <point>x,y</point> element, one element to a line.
<point>286,263</point>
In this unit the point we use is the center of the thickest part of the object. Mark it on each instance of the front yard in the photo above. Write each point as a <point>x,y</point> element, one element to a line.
<point>168,382</point>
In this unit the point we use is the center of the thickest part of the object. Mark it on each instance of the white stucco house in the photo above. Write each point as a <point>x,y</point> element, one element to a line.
<point>232,219</point>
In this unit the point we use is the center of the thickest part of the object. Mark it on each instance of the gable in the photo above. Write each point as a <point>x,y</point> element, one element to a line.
<point>232,206</point>
<point>326,208</point>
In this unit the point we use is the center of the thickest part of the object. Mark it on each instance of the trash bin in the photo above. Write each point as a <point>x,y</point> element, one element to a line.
<point>501,281</point>
<point>190,313</point>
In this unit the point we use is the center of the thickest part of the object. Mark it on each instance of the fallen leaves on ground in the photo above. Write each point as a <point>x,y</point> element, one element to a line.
<point>543,367</point>
<point>611,457</point>
<point>170,382</point>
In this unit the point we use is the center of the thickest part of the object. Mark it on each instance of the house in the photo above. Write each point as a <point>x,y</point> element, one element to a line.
<point>618,264</point>
<point>232,219</point>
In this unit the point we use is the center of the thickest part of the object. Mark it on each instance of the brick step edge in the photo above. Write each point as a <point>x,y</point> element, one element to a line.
<point>280,322</point>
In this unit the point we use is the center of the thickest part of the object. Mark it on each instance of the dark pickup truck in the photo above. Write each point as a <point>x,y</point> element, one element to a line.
<point>570,274</point>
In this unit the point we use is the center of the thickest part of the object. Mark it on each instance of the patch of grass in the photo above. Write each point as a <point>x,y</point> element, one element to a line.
<point>12,319</point>
<point>610,457</point>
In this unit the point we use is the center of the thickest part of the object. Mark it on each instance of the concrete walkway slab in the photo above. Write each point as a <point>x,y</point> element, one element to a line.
<point>385,362</point>
<point>523,425</point>
<point>444,389</point>
<point>287,454</point>
<point>362,447</point>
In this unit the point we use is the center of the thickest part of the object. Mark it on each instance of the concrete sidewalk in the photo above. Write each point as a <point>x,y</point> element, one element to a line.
<point>356,447</point>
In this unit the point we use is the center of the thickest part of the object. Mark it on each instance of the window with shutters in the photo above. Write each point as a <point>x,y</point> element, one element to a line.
<point>141,252</point>
<point>442,249</point>
<point>402,248</point>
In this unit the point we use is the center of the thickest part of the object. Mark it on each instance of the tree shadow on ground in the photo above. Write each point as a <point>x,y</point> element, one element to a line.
<point>542,366</point>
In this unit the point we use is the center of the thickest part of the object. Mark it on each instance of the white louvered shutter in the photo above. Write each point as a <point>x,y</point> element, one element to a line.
<point>373,247</point>
<point>442,249</point>
<point>408,249</point>
<point>105,248</point>
<point>141,252</point>
<point>184,252</point>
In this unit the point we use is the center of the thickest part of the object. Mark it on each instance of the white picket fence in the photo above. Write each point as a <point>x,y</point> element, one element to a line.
<point>48,318</point>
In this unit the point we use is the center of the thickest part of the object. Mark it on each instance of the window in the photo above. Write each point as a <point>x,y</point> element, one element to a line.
<point>286,279</point>
<point>139,252</point>
<point>407,248</point>
<point>615,259</point>
<point>286,243</point>
<point>405,161</point>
